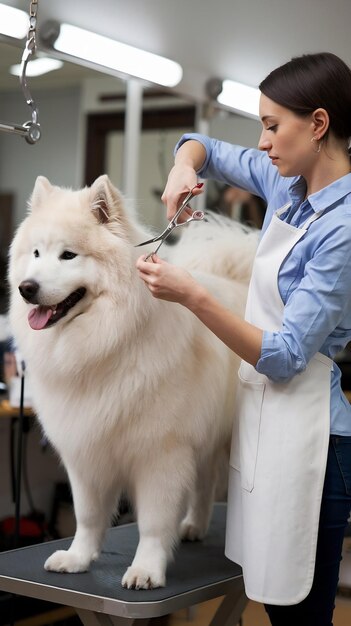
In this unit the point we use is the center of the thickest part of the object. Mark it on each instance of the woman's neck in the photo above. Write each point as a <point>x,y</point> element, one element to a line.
<point>330,166</point>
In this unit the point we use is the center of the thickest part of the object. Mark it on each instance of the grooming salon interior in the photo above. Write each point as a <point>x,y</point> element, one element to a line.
<point>93,88</point>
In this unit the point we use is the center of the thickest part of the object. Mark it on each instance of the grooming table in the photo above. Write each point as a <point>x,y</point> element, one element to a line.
<point>199,572</point>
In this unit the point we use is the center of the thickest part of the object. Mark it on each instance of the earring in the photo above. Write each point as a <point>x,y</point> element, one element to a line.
<point>319,145</point>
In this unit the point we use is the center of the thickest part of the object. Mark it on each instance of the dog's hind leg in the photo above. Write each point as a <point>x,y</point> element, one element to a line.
<point>93,507</point>
<point>160,503</point>
<point>195,524</point>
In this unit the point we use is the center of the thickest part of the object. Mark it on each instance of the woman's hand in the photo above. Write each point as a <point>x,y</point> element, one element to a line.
<point>175,284</point>
<point>166,281</point>
<point>182,178</point>
<point>180,181</point>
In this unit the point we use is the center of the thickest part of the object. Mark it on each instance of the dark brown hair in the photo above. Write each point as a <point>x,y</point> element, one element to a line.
<point>314,81</point>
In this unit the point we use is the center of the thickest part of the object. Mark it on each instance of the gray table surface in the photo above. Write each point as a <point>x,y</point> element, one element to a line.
<point>199,572</point>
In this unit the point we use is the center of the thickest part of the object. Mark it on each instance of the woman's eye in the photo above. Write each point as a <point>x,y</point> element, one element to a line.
<point>36,253</point>
<point>67,255</point>
<point>273,128</point>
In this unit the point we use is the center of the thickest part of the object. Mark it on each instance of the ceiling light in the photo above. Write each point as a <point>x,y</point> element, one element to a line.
<point>37,67</point>
<point>13,22</point>
<point>240,97</point>
<point>111,54</point>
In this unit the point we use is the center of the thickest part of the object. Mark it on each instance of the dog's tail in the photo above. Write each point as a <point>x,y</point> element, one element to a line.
<point>221,246</point>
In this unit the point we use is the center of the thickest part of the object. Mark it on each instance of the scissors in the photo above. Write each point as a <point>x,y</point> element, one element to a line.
<point>196,216</point>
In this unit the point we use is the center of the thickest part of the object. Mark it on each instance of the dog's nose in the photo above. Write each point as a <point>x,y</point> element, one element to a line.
<point>29,290</point>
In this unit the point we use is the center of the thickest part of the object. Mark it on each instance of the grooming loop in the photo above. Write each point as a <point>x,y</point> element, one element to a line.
<point>29,130</point>
<point>196,216</point>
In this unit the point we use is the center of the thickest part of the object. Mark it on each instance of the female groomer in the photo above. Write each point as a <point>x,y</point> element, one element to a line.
<point>290,474</point>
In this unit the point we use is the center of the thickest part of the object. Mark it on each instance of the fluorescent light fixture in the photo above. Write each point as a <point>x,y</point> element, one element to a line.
<point>37,67</point>
<point>13,22</point>
<point>117,56</point>
<point>240,97</point>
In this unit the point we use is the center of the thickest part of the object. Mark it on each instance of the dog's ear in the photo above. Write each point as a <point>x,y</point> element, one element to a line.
<point>106,201</point>
<point>41,188</point>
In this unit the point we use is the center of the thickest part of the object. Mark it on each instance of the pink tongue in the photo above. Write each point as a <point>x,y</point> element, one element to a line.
<point>39,317</point>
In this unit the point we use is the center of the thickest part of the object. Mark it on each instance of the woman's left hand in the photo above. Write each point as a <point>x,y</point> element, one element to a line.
<point>166,281</point>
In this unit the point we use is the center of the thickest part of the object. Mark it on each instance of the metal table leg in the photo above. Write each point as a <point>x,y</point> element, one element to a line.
<point>230,610</point>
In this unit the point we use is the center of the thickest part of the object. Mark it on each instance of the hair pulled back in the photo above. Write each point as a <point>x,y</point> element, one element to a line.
<point>310,82</point>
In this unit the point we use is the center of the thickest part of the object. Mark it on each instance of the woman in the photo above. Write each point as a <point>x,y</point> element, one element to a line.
<point>290,467</point>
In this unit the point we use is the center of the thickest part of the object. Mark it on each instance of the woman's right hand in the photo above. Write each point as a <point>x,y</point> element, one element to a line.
<point>183,178</point>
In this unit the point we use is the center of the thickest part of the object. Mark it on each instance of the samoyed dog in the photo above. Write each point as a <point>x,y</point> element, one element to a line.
<point>134,393</point>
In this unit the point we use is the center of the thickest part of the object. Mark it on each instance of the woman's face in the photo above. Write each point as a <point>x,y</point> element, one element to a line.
<point>286,137</point>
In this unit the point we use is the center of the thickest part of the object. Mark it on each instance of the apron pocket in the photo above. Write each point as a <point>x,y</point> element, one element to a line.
<point>250,399</point>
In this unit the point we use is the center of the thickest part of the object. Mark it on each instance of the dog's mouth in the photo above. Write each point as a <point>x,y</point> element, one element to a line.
<point>44,316</point>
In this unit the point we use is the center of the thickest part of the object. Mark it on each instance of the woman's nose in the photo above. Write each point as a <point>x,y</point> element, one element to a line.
<point>264,142</point>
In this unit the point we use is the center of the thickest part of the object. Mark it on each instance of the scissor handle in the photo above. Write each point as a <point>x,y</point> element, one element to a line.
<point>188,197</point>
<point>197,215</point>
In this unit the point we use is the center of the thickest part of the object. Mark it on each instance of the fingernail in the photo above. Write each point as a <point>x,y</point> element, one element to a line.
<point>199,185</point>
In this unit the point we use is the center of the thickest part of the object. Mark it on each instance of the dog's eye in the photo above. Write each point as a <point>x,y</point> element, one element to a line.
<point>67,255</point>
<point>36,253</point>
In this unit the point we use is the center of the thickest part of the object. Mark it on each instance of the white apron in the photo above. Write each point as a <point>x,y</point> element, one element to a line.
<point>279,449</point>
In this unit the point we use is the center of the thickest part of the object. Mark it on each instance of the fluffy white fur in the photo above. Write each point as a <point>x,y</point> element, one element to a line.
<point>134,393</point>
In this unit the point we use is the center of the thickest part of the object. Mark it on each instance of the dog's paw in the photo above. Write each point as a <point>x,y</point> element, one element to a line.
<point>191,532</point>
<point>66,561</point>
<point>139,578</point>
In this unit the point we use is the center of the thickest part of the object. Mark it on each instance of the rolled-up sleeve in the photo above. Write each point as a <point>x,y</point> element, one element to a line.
<point>278,360</point>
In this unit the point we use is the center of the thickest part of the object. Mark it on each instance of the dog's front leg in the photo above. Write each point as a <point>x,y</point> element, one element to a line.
<point>160,501</point>
<point>93,509</point>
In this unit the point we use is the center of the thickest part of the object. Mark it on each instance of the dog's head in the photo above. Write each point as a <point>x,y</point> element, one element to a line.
<point>69,249</point>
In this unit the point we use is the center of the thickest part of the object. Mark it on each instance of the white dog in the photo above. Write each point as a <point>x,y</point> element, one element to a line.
<point>134,393</point>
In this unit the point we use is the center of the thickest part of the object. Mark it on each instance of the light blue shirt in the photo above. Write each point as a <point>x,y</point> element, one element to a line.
<point>315,279</point>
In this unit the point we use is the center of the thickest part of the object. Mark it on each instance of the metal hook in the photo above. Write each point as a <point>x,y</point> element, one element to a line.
<point>30,130</point>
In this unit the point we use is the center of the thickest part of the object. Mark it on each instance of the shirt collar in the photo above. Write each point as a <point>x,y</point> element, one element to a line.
<point>324,198</point>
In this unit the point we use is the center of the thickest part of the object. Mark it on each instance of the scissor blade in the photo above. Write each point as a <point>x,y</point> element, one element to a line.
<point>160,237</point>
<point>144,243</point>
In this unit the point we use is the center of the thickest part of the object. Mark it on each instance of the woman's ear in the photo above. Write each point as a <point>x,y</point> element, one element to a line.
<point>320,123</point>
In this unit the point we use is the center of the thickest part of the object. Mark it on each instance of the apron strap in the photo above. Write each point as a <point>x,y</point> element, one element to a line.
<point>282,209</point>
<point>313,218</point>
<point>307,223</point>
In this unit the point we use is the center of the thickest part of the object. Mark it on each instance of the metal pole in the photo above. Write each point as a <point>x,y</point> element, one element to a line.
<point>13,128</point>
<point>202,125</point>
<point>132,131</point>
